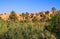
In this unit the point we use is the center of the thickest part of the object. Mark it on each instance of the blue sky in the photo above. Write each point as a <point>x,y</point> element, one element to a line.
<point>28,5</point>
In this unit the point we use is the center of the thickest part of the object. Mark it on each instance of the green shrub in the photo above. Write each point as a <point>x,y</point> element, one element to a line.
<point>55,25</point>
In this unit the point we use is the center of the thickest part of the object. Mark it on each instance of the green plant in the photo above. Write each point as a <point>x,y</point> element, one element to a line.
<point>55,25</point>
<point>13,16</point>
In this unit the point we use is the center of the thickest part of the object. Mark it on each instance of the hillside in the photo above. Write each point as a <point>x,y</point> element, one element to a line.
<point>42,25</point>
<point>29,16</point>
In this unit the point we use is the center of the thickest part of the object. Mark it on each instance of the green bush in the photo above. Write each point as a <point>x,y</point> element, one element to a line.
<point>22,30</point>
<point>55,25</point>
<point>13,16</point>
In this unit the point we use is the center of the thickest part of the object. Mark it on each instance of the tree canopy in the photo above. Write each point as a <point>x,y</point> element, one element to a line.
<point>13,16</point>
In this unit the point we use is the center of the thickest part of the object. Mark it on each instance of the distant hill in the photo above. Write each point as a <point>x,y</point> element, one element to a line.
<point>24,16</point>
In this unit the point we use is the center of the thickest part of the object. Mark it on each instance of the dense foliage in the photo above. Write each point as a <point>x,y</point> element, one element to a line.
<point>13,16</point>
<point>14,29</point>
<point>23,30</point>
<point>55,25</point>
